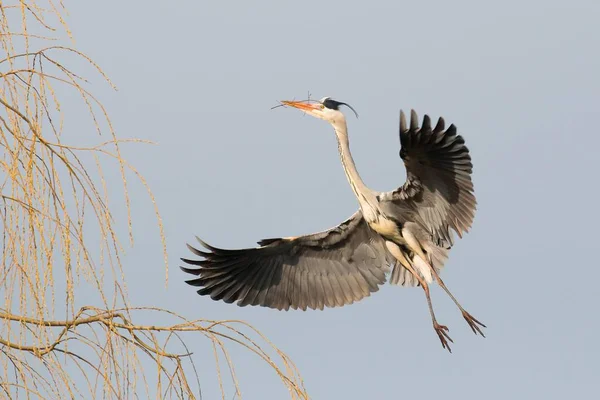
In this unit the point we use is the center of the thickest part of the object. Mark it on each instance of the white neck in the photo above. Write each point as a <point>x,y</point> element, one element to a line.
<point>365,196</point>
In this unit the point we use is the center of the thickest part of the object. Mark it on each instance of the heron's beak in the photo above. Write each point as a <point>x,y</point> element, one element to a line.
<point>301,105</point>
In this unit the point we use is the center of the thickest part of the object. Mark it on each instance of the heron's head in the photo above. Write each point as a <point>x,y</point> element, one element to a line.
<point>326,108</point>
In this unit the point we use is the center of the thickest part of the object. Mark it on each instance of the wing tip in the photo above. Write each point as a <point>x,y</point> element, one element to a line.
<point>451,131</point>
<point>440,126</point>
<point>403,128</point>
<point>192,271</point>
<point>426,126</point>
<point>414,120</point>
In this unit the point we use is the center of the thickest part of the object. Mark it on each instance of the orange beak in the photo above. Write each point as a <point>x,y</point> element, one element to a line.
<point>301,105</point>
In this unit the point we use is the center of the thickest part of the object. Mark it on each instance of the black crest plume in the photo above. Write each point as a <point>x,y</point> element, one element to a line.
<point>335,105</point>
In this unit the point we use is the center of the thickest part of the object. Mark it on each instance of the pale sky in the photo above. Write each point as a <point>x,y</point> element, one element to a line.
<point>518,78</point>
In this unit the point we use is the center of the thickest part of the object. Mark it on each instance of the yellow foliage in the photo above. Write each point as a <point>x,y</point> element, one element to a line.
<point>54,199</point>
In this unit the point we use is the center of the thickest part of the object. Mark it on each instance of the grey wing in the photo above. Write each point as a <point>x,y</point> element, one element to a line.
<point>326,269</point>
<point>438,189</point>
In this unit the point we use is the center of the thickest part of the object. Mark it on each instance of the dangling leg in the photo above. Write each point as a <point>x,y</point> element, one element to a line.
<point>414,245</point>
<point>441,330</point>
<point>473,323</point>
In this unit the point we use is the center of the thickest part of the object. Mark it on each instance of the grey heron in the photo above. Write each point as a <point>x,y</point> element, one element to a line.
<point>408,230</point>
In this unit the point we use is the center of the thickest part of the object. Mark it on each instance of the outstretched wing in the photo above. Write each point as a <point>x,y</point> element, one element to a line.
<point>438,188</point>
<point>326,269</point>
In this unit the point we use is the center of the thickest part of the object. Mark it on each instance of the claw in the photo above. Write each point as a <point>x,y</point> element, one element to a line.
<point>442,332</point>
<point>473,323</point>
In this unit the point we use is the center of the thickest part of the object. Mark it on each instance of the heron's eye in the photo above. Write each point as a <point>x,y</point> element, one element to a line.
<point>322,106</point>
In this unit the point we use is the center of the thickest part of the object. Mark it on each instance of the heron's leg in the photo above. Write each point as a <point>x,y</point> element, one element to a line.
<point>473,323</point>
<point>441,330</point>
<point>416,247</point>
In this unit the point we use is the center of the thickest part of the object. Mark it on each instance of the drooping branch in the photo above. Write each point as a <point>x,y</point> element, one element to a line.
<point>53,203</point>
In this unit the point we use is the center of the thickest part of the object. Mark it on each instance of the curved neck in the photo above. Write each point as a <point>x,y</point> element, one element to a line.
<point>362,192</point>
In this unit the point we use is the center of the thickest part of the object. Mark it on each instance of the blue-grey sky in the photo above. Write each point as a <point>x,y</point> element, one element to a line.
<point>519,79</point>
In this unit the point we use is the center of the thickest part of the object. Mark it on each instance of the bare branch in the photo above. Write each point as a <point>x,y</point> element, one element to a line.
<point>54,201</point>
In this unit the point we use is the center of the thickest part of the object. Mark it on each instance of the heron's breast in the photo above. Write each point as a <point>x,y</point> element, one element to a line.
<point>385,227</point>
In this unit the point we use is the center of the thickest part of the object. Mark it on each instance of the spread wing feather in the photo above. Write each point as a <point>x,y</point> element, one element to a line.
<point>438,192</point>
<point>326,269</point>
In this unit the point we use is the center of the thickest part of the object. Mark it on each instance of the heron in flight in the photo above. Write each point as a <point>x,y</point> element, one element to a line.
<point>408,230</point>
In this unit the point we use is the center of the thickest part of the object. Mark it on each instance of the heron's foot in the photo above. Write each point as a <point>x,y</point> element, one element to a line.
<point>473,323</point>
<point>442,332</point>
